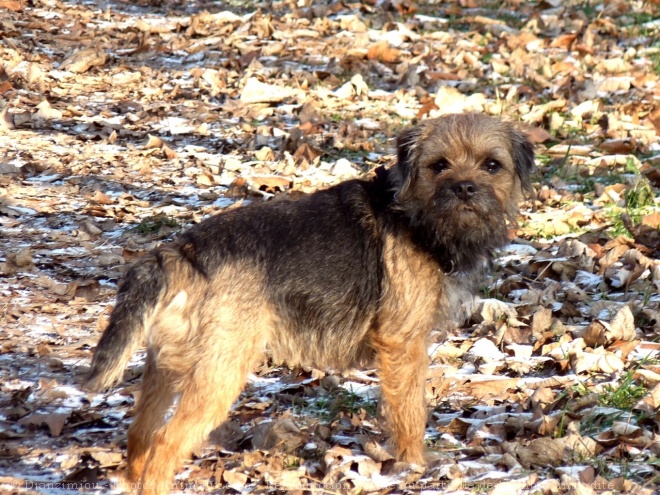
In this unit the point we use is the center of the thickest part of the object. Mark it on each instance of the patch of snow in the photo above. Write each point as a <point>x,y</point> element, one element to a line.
<point>362,390</point>
<point>588,280</point>
<point>520,250</point>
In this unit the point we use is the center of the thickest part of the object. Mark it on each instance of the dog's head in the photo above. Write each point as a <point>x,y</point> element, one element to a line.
<point>461,177</point>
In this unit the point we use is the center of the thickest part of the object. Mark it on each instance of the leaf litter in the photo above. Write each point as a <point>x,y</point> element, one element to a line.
<point>122,124</point>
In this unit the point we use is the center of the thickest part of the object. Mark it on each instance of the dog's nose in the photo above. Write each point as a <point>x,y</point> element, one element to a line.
<point>464,189</point>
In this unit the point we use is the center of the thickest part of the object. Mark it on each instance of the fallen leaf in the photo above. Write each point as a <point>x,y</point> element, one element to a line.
<point>540,452</point>
<point>54,421</point>
<point>154,142</point>
<point>46,112</point>
<point>604,362</point>
<point>383,52</point>
<point>255,91</point>
<point>13,5</point>
<point>170,154</point>
<point>538,134</point>
<point>84,59</point>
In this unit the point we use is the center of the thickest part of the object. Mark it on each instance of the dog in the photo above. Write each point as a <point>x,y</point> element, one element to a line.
<point>357,274</point>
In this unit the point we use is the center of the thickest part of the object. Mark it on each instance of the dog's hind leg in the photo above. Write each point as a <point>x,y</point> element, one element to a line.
<point>222,359</point>
<point>156,397</point>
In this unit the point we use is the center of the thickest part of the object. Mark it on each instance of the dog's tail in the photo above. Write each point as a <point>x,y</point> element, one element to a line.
<point>138,295</point>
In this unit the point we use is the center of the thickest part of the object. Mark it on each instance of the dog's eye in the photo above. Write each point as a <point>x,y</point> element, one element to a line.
<point>440,166</point>
<point>493,166</point>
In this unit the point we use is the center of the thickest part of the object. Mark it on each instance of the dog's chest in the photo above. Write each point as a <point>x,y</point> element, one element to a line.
<point>455,302</point>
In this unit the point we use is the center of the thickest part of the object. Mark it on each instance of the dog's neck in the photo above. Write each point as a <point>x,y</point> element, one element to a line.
<point>454,255</point>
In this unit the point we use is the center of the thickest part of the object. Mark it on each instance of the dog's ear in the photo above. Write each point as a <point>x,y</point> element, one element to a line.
<point>405,144</point>
<point>523,156</point>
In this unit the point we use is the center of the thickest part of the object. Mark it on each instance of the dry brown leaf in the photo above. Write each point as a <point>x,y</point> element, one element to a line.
<point>283,434</point>
<point>651,402</point>
<point>652,220</point>
<point>99,197</point>
<point>594,335</point>
<point>107,458</point>
<point>623,348</point>
<point>654,117</point>
<point>487,389</point>
<point>604,362</point>
<point>624,428</point>
<point>538,134</point>
<point>441,76</point>
<point>383,52</point>
<point>563,41</point>
<point>448,351</point>
<point>581,446</point>
<point>307,154</point>
<point>13,5</point>
<point>622,327</point>
<point>613,84</point>
<point>457,426</point>
<point>235,479</point>
<point>309,113</point>
<point>5,86</point>
<point>374,449</point>
<point>204,179</point>
<point>493,310</point>
<point>449,100</point>
<point>256,91</point>
<point>542,396</point>
<point>270,183</point>
<point>170,154</point>
<point>625,485</point>
<point>23,258</point>
<point>540,452</point>
<point>264,154</point>
<point>426,108</point>
<point>84,59</point>
<point>617,146</point>
<point>648,376</point>
<point>523,38</point>
<point>541,321</point>
<point>54,421</point>
<point>607,438</point>
<point>46,112</point>
<point>614,251</point>
<point>154,142</point>
<point>546,425</point>
<point>644,234</point>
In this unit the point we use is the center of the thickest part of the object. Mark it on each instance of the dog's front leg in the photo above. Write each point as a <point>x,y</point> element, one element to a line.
<point>402,366</point>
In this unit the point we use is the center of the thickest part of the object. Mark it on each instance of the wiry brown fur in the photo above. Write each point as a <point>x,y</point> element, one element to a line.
<point>357,273</point>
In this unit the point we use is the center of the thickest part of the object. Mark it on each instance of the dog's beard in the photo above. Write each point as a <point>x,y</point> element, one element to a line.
<point>462,234</point>
<point>480,214</point>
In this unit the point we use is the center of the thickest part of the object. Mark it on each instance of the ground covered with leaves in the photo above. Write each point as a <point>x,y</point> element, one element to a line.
<point>122,124</point>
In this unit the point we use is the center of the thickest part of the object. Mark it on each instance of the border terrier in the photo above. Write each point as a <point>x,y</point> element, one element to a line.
<point>354,274</point>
